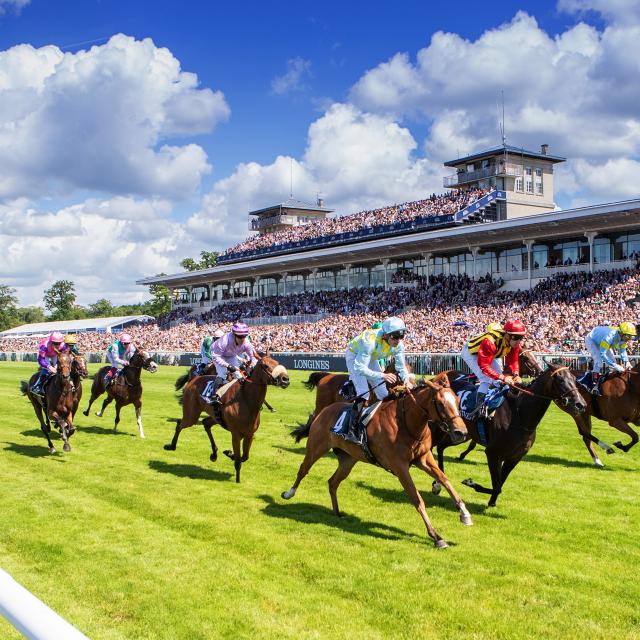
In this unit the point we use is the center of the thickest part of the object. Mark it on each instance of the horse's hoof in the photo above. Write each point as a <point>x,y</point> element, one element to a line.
<point>609,451</point>
<point>229,454</point>
<point>52,449</point>
<point>466,520</point>
<point>468,482</point>
<point>169,447</point>
<point>441,544</point>
<point>66,447</point>
<point>98,413</point>
<point>436,488</point>
<point>213,457</point>
<point>598,463</point>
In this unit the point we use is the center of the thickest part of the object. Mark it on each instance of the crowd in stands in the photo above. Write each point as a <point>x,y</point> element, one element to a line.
<point>441,315</point>
<point>435,205</point>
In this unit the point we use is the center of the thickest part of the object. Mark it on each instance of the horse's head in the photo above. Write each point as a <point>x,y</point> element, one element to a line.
<point>561,385</point>
<point>269,371</point>
<point>142,359</point>
<point>446,409</point>
<point>529,364</point>
<point>79,366</point>
<point>64,366</point>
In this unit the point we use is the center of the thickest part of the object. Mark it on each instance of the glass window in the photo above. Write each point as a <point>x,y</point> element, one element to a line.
<point>519,184</point>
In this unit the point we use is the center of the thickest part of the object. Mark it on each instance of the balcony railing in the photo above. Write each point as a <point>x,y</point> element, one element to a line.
<point>261,223</point>
<point>464,177</point>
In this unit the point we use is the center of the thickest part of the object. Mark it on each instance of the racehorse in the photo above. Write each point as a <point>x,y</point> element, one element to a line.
<point>125,389</point>
<point>78,373</point>
<point>210,370</point>
<point>328,387</point>
<point>399,435</point>
<point>239,412</point>
<point>57,403</point>
<point>511,432</point>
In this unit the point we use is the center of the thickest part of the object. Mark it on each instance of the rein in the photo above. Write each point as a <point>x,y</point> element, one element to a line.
<point>533,394</point>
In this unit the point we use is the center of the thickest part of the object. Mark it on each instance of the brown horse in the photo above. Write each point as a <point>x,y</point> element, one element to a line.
<point>125,389</point>
<point>78,373</point>
<point>511,432</point>
<point>399,436</point>
<point>58,401</point>
<point>239,412</point>
<point>210,370</point>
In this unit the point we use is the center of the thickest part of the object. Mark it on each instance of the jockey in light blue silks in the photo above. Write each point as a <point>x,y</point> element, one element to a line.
<point>119,353</point>
<point>363,356</point>
<point>602,343</point>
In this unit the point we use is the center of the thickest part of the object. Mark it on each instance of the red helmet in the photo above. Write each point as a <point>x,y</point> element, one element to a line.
<point>515,327</point>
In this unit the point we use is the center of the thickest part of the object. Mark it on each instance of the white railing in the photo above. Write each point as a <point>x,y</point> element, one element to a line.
<point>30,616</point>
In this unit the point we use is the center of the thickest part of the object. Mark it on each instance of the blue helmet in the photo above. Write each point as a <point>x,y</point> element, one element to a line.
<point>393,325</point>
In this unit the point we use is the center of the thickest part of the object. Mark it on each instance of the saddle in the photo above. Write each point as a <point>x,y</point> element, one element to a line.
<point>352,429</point>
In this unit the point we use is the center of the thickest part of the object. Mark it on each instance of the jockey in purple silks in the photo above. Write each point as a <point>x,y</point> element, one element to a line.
<point>226,354</point>
<point>48,360</point>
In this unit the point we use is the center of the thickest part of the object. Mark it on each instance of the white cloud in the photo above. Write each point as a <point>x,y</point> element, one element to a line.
<point>13,5</point>
<point>101,120</point>
<point>292,80</point>
<point>625,11</point>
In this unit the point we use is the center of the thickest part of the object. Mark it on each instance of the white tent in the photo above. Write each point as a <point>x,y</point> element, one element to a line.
<point>101,325</point>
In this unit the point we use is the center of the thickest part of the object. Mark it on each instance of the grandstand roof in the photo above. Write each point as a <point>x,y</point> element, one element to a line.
<point>74,326</point>
<point>602,218</point>
<point>291,203</point>
<point>519,151</point>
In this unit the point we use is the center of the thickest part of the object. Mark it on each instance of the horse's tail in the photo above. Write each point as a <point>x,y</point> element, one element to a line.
<point>181,381</point>
<point>24,387</point>
<point>302,430</point>
<point>181,397</point>
<point>313,380</point>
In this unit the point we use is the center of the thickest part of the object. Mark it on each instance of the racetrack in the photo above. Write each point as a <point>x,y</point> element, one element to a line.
<point>126,540</point>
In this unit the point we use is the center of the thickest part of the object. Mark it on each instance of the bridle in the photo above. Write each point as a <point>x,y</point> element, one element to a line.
<point>563,399</point>
<point>443,422</point>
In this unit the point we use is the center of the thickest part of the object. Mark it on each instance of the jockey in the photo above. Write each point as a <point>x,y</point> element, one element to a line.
<point>72,344</point>
<point>363,356</point>
<point>484,353</point>
<point>602,343</point>
<point>48,360</point>
<point>205,350</point>
<point>227,353</point>
<point>119,353</point>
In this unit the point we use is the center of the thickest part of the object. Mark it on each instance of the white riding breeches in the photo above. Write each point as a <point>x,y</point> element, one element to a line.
<point>361,383</point>
<point>222,371</point>
<point>472,362</point>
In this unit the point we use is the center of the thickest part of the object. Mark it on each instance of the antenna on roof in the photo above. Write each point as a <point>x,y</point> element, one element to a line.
<point>502,131</point>
<point>291,177</point>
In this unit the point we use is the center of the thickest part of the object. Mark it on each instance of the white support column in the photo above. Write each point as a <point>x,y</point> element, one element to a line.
<point>590,236</point>
<point>232,290</point>
<point>284,284</point>
<point>348,268</point>
<point>385,262</point>
<point>314,274</point>
<point>427,258</point>
<point>256,286</point>
<point>529,244</point>
<point>474,254</point>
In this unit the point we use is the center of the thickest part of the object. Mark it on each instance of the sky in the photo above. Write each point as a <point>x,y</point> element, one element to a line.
<point>135,134</point>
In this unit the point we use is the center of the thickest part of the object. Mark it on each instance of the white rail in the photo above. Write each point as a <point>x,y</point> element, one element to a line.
<point>30,616</point>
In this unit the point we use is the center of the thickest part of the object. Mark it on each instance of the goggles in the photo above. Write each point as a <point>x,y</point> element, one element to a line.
<point>514,337</point>
<point>397,335</point>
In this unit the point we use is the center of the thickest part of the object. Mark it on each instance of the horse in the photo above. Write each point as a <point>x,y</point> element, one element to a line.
<point>57,403</point>
<point>511,431</point>
<point>125,389</point>
<point>399,436</point>
<point>78,373</point>
<point>328,387</point>
<point>210,370</point>
<point>239,412</point>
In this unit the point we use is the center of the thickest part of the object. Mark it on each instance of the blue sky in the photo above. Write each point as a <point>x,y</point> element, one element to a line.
<point>147,130</point>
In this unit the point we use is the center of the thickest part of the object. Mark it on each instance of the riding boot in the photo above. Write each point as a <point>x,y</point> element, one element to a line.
<point>37,389</point>
<point>352,431</point>
<point>596,381</point>
<point>480,409</point>
<point>210,395</point>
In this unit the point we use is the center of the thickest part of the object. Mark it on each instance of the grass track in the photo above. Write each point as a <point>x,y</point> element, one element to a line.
<point>127,540</point>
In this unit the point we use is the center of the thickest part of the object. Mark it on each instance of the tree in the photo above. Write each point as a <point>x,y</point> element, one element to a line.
<point>207,260</point>
<point>29,315</point>
<point>8,307</point>
<point>60,300</point>
<point>101,308</point>
<point>160,302</point>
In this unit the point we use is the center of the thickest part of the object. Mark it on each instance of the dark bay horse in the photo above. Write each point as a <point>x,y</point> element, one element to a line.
<point>240,410</point>
<point>210,370</point>
<point>78,373</point>
<point>511,431</point>
<point>125,389</point>
<point>58,401</point>
<point>399,436</point>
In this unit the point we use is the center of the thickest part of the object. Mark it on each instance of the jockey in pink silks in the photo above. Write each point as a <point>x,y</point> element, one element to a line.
<point>48,359</point>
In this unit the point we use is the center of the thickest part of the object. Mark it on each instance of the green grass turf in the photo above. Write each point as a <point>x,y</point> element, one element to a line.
<point>126,540</point>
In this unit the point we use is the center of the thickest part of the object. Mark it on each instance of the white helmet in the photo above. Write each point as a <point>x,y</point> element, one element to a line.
<point>393,325</point>
<point>218,333</point>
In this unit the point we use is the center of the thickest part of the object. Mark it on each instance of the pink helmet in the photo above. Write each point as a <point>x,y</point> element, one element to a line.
<point>125,338</point>
<point>240,329</point>
<point>56,336</point>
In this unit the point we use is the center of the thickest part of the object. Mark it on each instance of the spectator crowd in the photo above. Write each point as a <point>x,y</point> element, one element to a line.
<point>441,313</point>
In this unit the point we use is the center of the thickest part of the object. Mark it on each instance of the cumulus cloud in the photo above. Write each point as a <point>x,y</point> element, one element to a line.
<point>293,79</point>
<point>13,5</point>
<point>102,120</point>
<point>613,10</point>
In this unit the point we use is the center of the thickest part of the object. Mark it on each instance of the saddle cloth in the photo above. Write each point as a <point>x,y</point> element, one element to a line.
<point>210,389</point>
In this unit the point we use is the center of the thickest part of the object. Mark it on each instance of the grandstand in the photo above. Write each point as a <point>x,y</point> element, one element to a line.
<point>508,229</point>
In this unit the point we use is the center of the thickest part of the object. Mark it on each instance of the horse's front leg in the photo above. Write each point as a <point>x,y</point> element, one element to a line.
<point>494,469</point>
<point>46,428</point>
<point>621,425</point>
<point>107,401</point>
<point>138,406</point>
<point>246,446</point>
<point>117,420</point>
<point>208,423</point>
<point>416,500</point>
<point>235,456</point>
<point>427,463</point>
<point>62,425</point>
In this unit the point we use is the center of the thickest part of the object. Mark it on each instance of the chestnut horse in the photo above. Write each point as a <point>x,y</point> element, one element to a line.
<point>58,401</point>
<point>399,435</point>
<point>511,431</point>
<point>125,389</point>
<point>239,412</point>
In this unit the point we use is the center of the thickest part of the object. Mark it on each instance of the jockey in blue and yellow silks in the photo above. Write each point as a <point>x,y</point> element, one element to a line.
<point>363,356</point>
<point>603,342</point>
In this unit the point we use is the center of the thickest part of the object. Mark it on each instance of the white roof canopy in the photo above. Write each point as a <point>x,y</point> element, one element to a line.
<point>101,325</point>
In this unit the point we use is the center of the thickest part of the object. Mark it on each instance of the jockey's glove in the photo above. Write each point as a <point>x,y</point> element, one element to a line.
<point>231,369</point>
<point>617,367</point>
<point>51,369</point>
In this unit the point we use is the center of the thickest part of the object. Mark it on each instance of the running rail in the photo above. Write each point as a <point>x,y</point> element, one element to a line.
<point>30,616</point>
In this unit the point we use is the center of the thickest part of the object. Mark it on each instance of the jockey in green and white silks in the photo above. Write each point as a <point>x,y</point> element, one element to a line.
<point>205,347</point>
<point>364,353</point>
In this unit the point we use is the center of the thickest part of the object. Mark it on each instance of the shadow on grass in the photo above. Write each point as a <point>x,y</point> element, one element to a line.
<point>300,449</point>
<point>32,450</point>
<point>106,431</point>
<point>188,471</point>
<point>33,433</point>
<point>308,513</point>
<point>561,462</point>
